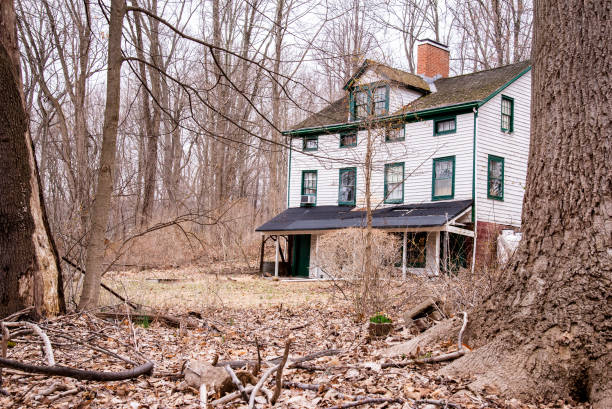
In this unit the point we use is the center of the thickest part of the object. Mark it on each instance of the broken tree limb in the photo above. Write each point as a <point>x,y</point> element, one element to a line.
<point>80,374</point>
<point>17,314</point>
<point>237,382</point>
<point>279,373</point>
<point>367,401</point>
<point>46,343</point>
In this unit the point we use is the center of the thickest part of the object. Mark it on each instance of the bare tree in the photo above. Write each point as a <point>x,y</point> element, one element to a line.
<point>101,208</point>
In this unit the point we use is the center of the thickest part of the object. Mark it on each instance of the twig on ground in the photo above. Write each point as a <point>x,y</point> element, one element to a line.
<point>203,396</point>
<point>304,386</point>
<point>443,403</point>
<point>367,401</point>
<point>257,366</point>
<point>60,395</point>
<point>230,397</point>
<point>237,382</point>
<point>279,373</point>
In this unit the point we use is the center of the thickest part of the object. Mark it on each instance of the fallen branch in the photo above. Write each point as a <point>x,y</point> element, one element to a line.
<point>265,376</point>
<point>166,319</point>
<point>440,358</point>
<point>17,314</point>
<point>367,401</point>
<point>442,403</point>
<point>294,361</point>
<point>230,397</point>
<point>81,374</point>
<point>279,373</point>
<point>60,395</point>
<point>46,343</point>
<point>305,386</point>
<point>237,382</point>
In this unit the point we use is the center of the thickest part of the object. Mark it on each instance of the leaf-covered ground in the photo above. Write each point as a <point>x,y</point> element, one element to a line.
<point>234,310</point>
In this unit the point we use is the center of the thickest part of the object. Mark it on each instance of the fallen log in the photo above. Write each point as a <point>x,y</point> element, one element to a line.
<point>81,374</point>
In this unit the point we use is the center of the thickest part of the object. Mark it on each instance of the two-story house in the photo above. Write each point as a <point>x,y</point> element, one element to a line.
<point>449,162</point>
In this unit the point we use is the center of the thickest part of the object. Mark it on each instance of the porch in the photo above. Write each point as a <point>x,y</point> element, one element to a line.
<point>436,237</point>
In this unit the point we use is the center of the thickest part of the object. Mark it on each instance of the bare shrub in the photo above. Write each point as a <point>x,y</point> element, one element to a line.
<point>341,256</point>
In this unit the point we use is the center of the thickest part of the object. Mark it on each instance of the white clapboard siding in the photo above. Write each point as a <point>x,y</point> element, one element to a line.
<point>513,147</point>
<point>417,152</point>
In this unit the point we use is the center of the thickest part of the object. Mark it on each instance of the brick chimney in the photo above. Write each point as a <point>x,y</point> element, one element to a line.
<point>432,59</point>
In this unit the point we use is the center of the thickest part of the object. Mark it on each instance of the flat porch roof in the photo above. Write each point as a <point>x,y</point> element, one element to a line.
<point>418,216</point>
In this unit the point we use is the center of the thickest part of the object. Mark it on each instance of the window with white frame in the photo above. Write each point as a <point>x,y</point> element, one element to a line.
<point>394,183</point>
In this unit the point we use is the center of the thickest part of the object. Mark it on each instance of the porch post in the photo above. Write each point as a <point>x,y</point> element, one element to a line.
<point>437,264</point>
<point>276,257</point>
<point>404,257</point>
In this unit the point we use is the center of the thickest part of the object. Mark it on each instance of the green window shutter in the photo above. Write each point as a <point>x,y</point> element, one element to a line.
<point>507,114</point>
<point>394,183</point>
<point>347,186</point>
<point>443,178</point>
<point>495,178</point>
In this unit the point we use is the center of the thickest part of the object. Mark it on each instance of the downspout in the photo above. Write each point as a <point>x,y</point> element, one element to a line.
<point>474,218</point>
<point>289,170</point>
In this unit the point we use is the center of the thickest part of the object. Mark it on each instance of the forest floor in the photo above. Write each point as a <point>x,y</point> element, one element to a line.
<point>231,312</point>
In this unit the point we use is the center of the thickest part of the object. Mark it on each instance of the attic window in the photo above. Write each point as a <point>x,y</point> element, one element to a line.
<point>348,139</point>
<point>395,133</point>
<point>371,100</point>
<point>311,143</point>
<point>507,114</point>
<point>443,126</point>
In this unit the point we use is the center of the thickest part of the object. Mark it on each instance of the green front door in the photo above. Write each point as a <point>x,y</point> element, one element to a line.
<point>300,262</point>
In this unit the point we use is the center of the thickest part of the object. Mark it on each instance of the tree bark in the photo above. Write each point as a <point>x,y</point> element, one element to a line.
<point>101,207</point>
<point>546,332</point>
<point>29,268</point>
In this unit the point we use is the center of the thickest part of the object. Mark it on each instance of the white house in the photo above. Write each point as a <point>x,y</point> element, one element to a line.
<point>449,161</point>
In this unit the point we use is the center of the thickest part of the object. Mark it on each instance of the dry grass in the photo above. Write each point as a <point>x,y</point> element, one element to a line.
<point>195,289</point>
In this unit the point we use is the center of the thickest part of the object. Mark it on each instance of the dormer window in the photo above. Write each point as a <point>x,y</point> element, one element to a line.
<point>369,100</point>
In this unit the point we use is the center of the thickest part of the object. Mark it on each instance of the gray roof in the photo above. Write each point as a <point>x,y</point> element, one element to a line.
<point>451,91</point>
<point>466,88</point>
<point>338,217</point>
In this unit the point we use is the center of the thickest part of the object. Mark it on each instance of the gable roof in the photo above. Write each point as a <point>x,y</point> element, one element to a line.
<point>466,88</point>
<point>400,77</point>
<point>475,88</point>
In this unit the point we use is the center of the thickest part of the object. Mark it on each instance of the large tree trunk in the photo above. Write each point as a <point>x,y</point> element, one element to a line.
<point>101,207</point>
<point>546,333</point>
<point>29,268</point>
